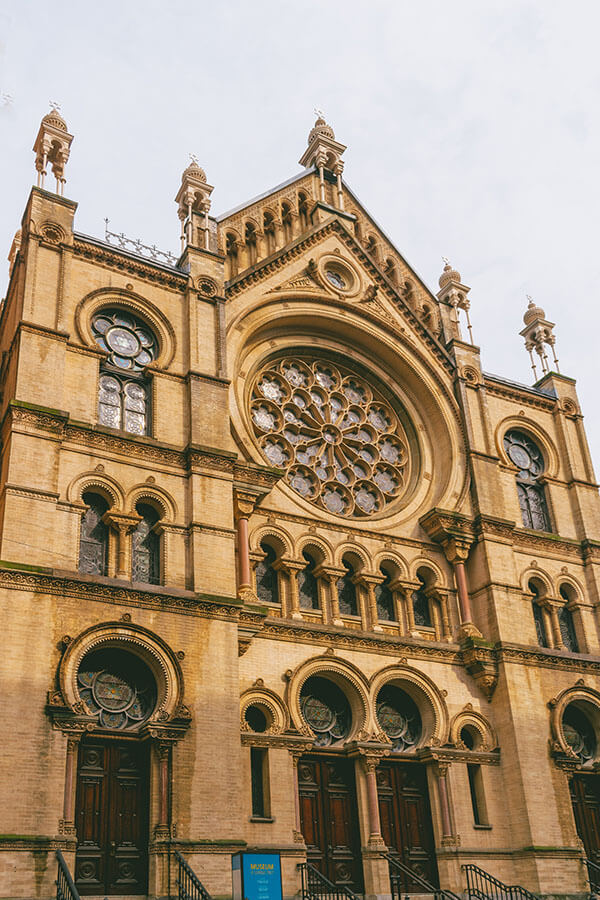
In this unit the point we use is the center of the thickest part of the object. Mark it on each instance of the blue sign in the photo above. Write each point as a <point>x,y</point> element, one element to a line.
<point>256,876</point>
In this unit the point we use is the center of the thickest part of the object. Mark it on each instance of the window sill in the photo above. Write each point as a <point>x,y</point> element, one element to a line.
<point>482,827</point>
<point>265,820</point>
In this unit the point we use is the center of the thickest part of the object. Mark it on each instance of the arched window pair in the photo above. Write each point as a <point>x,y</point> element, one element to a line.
<point>546,630</point>
<point>267,579</point>
<point>94,541</point>
<point>528,459</point>
<point>123,400</point>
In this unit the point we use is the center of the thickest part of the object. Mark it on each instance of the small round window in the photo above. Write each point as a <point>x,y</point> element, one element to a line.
<point>117,688</point>
<point>129,343</point>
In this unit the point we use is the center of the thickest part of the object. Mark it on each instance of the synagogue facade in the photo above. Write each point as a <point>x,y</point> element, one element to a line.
<point>282,568</point>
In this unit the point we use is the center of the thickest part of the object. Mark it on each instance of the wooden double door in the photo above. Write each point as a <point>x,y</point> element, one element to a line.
<point>329,818</point>
<point>585,797</point>
<point>111,816</point>
<point>405,815</point>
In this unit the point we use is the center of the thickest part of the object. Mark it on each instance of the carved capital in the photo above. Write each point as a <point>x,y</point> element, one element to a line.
<point>453,531</point>
<point>244,503</point>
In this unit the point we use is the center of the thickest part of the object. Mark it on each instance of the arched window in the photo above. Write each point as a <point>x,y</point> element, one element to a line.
<point>267,582</point>
<point>308,588</point>
<point>390,270</point>
<point>326,709</point>
<point>145,547</point>
<point>269,230</point>
<point>124,391</point>
<point>565,621</point>
<point>385,598</point>
<point>346,591</point>
<point>93,540</point>
<point>117,688</point>
<point>231,254</point>
<point>579,734</point>
<point>538,615</point>
<point>303,210</point>
<point>371,246</point>
<point>250,238</point>
<point>286,221</point>
<point>527,457</point>
<point>421,608</point>
<point>399,717</point>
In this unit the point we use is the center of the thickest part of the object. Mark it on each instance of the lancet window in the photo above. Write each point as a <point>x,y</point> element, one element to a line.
<point>124,391</point>
<point>250,237</point>
<point>566,624</point>
<point>421,607</point>
<point>145,547</point>
<point>267,580</point>
<point>308,587</point>
<point>286,221</point>
<point>93,540</point>
<point>346,590</point>
<point>385,598</point>
<point>538,615</point>
<point>526,455</point>
<point>269,231</point>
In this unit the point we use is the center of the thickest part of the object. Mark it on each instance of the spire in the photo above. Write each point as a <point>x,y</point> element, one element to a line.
<point>454,293</point>
<point>52,145</point>
<point>325,153</point>
<point>194,197</point>
<point>538,334</point>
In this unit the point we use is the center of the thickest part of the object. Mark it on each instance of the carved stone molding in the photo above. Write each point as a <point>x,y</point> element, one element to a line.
<point>481,662</point>
<point>453,531</point>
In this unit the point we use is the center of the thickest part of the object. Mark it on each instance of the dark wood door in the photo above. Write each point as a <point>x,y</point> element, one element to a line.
<point>585,797</point>
<point>112,818</point>
<point>329,818</point>
<point>405,813</point>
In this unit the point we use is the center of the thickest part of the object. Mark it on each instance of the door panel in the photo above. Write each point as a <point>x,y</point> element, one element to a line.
<point>329,818</point>
<point>112,818</point>
<point>585,797</point>
<point>405,815</point>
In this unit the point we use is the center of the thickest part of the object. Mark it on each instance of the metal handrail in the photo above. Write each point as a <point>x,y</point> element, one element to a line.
<point>189,885</point>
<point>316,886</point>
<point>65,886</point>
<point>483,886</point>
<point>400,881</point>
<point>593,870</point>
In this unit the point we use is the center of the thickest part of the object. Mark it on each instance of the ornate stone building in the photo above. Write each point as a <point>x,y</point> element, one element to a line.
<point>282,567</point>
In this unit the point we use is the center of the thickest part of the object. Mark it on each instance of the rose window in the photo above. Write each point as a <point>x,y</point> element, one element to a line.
<point>129,343</point>
<point>399,718</point>
<point>117,688</point>
<point>341,443</point>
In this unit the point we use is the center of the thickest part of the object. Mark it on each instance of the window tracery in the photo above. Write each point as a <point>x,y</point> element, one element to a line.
<point>308,588</point>
<point>399,718</point>
<point>267,580</point>
<point>342,444</point>
<point>566,624</point>
<point>526,455</point>
<point>346,591</point>
<point>93,539</point>
<point>538,616</point>
<point>117,688</point>
<point>145,547</point>
<point>421,607</point>
<point>326,710</point>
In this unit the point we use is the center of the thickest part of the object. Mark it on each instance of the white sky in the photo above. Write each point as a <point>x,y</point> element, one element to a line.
<point>473,131</point>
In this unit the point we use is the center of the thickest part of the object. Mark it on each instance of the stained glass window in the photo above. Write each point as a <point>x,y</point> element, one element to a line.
<point>123,404</point>
<point>421,608</point>
<point>538,616</point>
<point>93,540</point>
<point>567,627</point>
<point>308,589</point>
<point>267,582</point>
<point>145,547</point>
<point>385,599</point>
<point>129,342</point>
<point>326,709</point>
<point>117,688</point>
<point>527,457</point>
<point>399,718</point>
<point>579,734</point>
<point>346,590</point>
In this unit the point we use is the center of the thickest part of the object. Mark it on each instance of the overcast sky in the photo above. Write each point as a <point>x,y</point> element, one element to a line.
<point>473,132</point>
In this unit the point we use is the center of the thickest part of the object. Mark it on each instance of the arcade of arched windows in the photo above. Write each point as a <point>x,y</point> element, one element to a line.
<point>350,591</point>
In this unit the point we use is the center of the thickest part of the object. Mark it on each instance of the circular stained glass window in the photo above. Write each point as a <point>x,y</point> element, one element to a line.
<point>129,343</point>
<point>399,718</point>
<point>579,734</point>
<point>336,279</point>
<point>326,710</point>
<point>339,439</point>
<point>117,688</point>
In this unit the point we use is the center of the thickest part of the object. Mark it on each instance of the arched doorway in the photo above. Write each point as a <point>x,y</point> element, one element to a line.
<point>111,807</point>
<point>404,808</point>
<point>327,786</point>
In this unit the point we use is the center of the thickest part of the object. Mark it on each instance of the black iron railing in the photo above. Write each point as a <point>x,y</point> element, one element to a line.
<point>403,879</point>
<point>189,886</point>
<point>593,870</point>
<point>483,886</point>
<point>65,886</point>
<point>316,886</point>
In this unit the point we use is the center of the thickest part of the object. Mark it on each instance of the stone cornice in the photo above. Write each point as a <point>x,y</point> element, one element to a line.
<point>121,261</point>
<point>518,394</point>
<point>547,659</point>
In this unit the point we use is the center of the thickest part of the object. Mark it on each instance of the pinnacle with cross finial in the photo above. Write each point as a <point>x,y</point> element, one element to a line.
<point>54,106</point>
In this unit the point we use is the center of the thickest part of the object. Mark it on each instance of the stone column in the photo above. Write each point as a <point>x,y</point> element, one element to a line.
<point>67,823</point>
<point>292,568</point>
<point>163,752</point>
<point>372,601</point>
<point>122,526</point>
<point>370,766</point>
<point>557,640</point>
<point>298,836</point>
<point>336,618</point>
<point>442,771</point>
<point>243,506</point>
<point>446,629</point>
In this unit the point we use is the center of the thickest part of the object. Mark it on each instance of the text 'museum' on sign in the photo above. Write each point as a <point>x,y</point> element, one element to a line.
<point>256,876</point>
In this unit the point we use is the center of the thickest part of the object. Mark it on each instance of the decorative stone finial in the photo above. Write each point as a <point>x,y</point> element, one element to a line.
<point>538,334</point>
<point>454,293</point>
<point>194,197</point>
<point>325,153</point>
<point>52,145</point>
